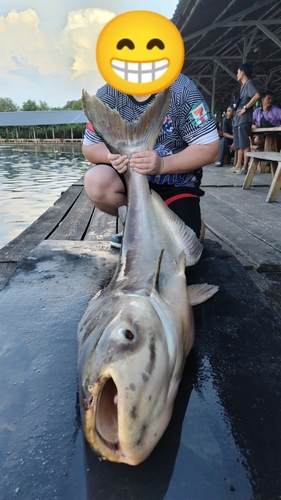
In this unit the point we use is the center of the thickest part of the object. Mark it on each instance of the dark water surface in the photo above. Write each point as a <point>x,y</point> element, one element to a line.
<point>30,182</point>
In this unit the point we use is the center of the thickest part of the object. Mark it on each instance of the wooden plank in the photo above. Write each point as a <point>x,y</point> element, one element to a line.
<point>221,177</point>
<point>6,271</point>
<point>266,129</point>
<point>264,233</point>
<point>252,204</point>
<point>251,172</point>
<point>75,223</point>
<point>267,234</point>
<point>80,182</point>
<point>265,155</point>
<point>225,246</point>
<point>269,284</point>
<point>275,185</point>
<point>41,228</point>
<point>101,227</point>
<point>261,255</point>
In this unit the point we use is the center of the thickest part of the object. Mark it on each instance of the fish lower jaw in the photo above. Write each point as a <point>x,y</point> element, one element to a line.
<point>101,425</point>
<point>140,72</point>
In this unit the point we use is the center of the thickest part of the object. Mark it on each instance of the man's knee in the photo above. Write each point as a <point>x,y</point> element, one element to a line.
<point>101,183</point>
<point>94,184</point>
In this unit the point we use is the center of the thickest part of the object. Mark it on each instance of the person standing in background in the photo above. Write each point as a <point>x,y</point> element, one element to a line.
<point>227,139</point>
<point>242,121</point>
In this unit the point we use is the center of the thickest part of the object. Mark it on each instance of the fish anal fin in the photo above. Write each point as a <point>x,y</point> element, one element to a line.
<point>201,293</point>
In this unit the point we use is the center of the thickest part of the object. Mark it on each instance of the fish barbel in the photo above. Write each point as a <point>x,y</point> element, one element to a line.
<point>135,335</point>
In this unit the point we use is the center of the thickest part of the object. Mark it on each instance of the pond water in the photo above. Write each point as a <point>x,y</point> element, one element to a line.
<point>30,182</point>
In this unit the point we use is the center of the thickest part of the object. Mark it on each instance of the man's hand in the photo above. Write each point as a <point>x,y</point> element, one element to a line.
<point>147,162</point>
<point>241,112</point>
<point>120,163</point>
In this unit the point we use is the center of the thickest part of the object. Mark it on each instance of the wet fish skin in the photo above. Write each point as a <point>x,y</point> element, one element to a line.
<point>135,336</point>
<point>146,370</point>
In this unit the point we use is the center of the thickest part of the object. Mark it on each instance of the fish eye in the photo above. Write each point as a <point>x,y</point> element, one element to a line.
<point>155,42</point>
<point>126,333</point>
<point>129,335</point>
<point>125,42</point>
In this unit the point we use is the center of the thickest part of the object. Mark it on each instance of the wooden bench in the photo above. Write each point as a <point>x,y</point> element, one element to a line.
<point>275,163</point>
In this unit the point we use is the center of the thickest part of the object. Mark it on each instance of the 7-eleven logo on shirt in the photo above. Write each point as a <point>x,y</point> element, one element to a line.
<point>199,114</point>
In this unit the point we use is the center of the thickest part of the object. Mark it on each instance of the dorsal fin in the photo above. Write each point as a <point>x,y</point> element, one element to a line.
<point>155,287</point>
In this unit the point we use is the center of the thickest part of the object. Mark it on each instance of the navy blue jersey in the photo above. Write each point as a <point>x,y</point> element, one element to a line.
<point>188,121</point>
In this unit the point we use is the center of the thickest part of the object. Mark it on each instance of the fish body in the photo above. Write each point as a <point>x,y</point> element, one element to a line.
<point>136,334</point>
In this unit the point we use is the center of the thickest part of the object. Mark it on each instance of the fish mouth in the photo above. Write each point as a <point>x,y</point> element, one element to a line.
<point>107,415</point>
<point>140,72</point>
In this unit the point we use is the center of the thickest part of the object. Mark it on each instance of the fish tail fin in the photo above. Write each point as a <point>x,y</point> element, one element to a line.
<point>121,136</point>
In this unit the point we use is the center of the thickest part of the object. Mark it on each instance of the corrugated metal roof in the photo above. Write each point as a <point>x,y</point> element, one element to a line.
<point>33,118</point>
<point>220,35</point>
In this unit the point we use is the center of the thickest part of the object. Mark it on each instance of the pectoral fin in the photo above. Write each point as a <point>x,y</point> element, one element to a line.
<point>201,293</point>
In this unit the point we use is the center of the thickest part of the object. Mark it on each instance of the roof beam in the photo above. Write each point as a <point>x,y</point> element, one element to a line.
<point>228,58</point>
<point>232,24</point>
<point>268,33</point>
<point>190,14</point>
<point>225,68</point>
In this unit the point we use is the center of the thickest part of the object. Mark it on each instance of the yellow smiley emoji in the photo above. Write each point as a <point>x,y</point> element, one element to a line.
<point>140,52</point>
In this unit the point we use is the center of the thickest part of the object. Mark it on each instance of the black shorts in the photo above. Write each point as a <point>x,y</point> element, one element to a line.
<point>241,135</point>
<point>180,200</point>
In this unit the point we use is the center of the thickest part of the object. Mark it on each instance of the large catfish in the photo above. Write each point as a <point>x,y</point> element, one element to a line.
<point>136,334</point>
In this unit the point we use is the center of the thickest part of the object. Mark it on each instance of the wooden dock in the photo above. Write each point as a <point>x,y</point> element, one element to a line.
<point>241,221</point>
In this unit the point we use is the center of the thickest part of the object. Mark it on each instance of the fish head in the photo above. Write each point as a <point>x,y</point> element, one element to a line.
<point>126,382</point>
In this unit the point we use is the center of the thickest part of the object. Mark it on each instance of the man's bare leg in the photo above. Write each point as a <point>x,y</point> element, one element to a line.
<point>240,158</point>
<point>105,189</point>
<point>246,158</point>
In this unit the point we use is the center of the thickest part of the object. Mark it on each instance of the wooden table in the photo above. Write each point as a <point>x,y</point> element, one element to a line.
<point>270,137</point>
<point>270,143</point>
<point>274,158</point>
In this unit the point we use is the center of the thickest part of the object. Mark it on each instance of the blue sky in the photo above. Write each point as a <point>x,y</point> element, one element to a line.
<point>48,46</point>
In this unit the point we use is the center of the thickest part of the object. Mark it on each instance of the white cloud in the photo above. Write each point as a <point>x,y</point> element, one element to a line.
<point>48,52</point>
<point>25,47</point>
<point>78,39</point>
<point>34,61</point>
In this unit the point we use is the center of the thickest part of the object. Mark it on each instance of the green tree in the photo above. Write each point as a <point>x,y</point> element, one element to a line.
<point>6,104</point>
<point>77,104</point>
<point>73,105</point>
<point>43,106</point>
<point>29,105</point>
